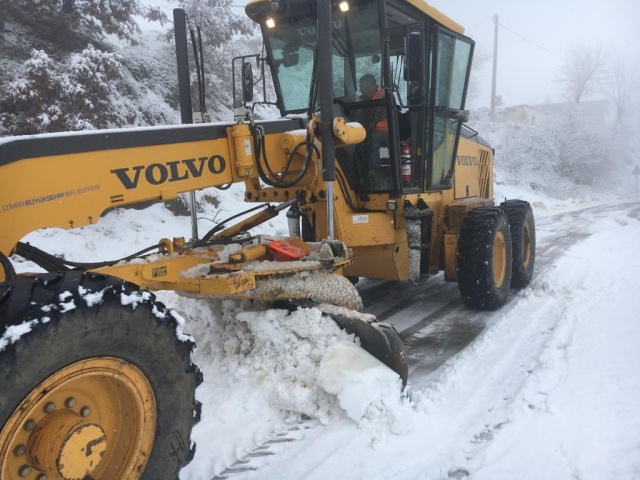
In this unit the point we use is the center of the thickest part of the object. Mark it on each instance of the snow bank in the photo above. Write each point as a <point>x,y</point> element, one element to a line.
<point>264,369</point>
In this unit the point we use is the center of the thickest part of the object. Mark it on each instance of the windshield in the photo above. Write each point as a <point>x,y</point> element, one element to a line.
<point>355,47</point>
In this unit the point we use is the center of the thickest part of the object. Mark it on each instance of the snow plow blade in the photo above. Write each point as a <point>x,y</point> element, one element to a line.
<point>379,339</point>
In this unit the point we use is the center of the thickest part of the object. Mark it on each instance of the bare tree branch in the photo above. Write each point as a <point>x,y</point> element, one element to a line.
<point>582,70</point>
<point>620,85</point>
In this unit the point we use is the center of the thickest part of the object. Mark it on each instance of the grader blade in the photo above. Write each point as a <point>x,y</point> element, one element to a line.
<point>379,339</point>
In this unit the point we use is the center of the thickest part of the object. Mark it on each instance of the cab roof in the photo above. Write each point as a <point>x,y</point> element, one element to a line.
<point>421,5</point>
<point>437,15</point>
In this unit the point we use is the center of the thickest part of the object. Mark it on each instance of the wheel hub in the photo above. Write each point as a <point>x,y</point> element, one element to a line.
<point>66,445</point>
<point>95,418</point>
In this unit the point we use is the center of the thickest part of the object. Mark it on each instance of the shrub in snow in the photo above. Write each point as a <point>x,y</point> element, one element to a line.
<point>566,151</point>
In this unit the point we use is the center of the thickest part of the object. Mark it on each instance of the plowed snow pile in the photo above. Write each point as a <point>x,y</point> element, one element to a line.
<point>267,369</point>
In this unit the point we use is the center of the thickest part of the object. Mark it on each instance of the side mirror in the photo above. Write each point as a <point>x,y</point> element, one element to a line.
<point>290,59</point>
<point>247,82</point>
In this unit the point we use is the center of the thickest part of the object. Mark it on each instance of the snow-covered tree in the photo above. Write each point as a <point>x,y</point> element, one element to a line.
<point>57,20</point>
<point>217,22</point>
<point>29,103</point>
<point>224,35</point>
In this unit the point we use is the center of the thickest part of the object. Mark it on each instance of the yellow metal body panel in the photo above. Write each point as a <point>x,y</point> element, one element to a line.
<point>460,208</point>
<point>369,229</point>
<point>467,172</point>
<point>437,15</point>
<point>73,190</point>
<point>473,170</point>
<point>450,256</point>
<point>388,261</point>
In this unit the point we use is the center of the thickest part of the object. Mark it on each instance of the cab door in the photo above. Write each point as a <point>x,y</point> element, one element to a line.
<point>450,56</point>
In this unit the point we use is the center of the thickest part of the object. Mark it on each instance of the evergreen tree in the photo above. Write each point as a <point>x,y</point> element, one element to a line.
<point>62,19</point>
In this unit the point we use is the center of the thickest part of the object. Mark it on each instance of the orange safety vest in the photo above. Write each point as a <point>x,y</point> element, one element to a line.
<point>381,125</point>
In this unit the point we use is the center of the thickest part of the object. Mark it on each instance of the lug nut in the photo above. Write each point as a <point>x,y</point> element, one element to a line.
<point>49,407</point>
<point>24,471</point>
<point>70,402</point>
<point>85,411</point>
<point>30,425</point>
<point>19,450</point>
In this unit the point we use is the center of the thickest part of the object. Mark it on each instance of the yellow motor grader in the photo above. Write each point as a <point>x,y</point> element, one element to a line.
<point>94,381</point>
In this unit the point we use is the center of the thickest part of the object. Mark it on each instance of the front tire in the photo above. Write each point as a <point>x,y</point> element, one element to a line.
<point>484,259</point>
<point>91,365</point>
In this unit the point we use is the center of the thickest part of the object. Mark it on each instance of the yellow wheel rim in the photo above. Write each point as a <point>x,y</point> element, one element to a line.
<point>499,259</point>
<point>96,418</point>
<point>526,246</point>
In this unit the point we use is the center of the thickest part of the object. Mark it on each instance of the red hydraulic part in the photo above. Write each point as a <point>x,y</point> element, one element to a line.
<point>283,251</point>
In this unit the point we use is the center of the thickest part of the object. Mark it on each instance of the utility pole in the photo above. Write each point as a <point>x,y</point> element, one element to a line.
<point>495,68</point>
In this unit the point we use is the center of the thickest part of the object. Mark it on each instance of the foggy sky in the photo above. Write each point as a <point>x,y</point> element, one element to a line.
<point>527,74</point>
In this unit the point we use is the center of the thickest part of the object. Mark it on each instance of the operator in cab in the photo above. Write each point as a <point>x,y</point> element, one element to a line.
<point>374,120</point>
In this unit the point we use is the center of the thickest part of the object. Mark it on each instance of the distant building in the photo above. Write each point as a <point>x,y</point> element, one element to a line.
<point>526,114</point>
<point>594,112</point>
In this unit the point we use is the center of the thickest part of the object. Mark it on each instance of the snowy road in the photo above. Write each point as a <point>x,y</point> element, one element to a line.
<point>517,393</point>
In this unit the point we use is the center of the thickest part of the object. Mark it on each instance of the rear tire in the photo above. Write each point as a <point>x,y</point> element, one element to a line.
<point>69,325</point>
<point>484,259</point>
<point>523,240</point>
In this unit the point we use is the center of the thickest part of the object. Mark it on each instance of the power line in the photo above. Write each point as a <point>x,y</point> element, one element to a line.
<point>529,41</point>
<point>478,24</point>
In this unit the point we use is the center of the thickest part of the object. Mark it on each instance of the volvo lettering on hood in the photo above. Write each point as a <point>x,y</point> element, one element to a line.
<point>173,171</point>
<point>467,160</point>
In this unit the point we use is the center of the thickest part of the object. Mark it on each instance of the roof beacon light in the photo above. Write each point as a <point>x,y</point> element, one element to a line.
<point>271,23</point>
<point>344,6</point>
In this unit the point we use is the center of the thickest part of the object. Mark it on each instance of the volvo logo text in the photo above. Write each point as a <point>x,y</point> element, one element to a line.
<point>467,160</point>
<point>159,173</point>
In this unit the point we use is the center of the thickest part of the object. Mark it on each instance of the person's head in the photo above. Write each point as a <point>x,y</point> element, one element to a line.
<point>368,86</point>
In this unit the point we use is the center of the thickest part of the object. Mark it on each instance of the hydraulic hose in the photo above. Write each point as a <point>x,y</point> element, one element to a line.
<point>261,153</point>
